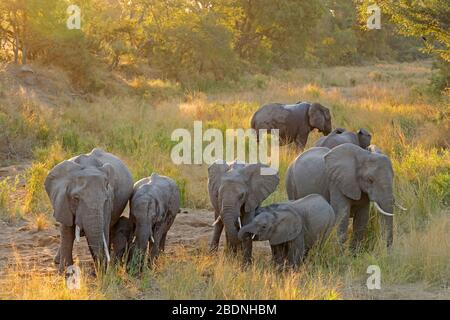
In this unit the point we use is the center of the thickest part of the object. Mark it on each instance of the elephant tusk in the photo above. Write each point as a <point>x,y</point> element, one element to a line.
<point>153,239</point>
<point>400,207</point>
<point>253,236</point>
<point>239,221</point>
<point>105,246</point>
<point>77,233</point>
<point>217,221</point>
<point>382,211</point>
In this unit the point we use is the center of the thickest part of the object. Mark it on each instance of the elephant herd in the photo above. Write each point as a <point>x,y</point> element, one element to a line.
<point>326,186</point>
<point>89,194</point>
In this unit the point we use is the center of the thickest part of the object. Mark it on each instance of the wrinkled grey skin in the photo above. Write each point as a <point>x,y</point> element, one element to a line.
<point>121,238</point>
<point>235,192</point>
<point>89,191</point>
<point>292,227</point>
<point>153,208</point>
<point>295,121</point>
<point>339,136</point>
<point>349,177</point>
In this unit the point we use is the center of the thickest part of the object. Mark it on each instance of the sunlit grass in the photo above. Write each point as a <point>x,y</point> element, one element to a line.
<point>406,124</point>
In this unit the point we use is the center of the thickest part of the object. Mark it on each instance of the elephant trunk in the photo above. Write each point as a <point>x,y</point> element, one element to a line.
<point>96,235</point>
<point>387,220</point>
<point>230,217</point>
<point>244,231</point>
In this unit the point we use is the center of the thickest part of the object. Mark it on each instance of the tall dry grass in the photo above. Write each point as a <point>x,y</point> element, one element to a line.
<point>390,100</point>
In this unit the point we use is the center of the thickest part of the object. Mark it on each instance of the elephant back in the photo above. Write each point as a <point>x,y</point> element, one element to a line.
<point>307,174</point>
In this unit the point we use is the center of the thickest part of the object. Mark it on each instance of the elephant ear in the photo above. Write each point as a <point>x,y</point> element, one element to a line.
<point>316,116</point>
<point>215,173</point>
<point>56,185</point>
<point>364,138</point>
<point>108,169</point>
<point>341,166</point>
<point>288,227</point>
<point>260,184</point>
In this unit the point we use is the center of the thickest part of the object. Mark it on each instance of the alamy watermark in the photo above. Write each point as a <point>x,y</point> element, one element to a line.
<point>73,277</point>
<point>374,280</point>
<point>237,144</point>
<point>74,19</point>
<point>374,20</point>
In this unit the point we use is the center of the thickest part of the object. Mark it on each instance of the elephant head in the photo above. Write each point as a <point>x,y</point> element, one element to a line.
<point>82,196</point>
<point>277,228</point>
<point>354,170</point>
<point>319,118</point>
<point>364,138</point>
<point>148,207</point>
<point>238,189</point>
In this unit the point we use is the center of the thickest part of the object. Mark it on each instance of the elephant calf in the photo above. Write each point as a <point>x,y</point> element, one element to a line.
<point>121,238</point>
<point>339,136</point>
<point>294,121</point>
<point>153,207</point>
<point>292,227</point>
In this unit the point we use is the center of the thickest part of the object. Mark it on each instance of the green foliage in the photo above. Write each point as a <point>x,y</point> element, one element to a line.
<point>429,21</point>
<point>196,43</point>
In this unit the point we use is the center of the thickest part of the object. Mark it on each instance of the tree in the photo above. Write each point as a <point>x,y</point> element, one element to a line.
<point>429,20</point>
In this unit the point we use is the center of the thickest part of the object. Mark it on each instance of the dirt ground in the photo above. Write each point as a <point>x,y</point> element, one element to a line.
<point>191,229</point>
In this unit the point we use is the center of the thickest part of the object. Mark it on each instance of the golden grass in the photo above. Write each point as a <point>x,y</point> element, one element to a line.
<point>387,99</point>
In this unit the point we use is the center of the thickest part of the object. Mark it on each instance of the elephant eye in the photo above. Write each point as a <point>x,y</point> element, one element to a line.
<point>370,179</point>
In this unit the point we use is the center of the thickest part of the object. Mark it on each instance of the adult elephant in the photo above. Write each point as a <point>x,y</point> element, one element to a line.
<point>294,121</point>
<point>88,193</point>
<point>235,192</point>
<point>349,177</point>
<point>339,136</point>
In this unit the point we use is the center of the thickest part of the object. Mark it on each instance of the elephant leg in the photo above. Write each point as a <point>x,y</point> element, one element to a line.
<point>65,251</point>
<point>342,228</point>
<point>162,243</point>
<point>341,209</point>
<point>214,244</point>
<point>247,247</point>
<point>296,250</point>
<point>277,254</point>
<point>360,220</point>
<point>300,141</point>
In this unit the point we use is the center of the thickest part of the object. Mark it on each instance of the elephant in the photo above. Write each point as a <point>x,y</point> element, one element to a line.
<point>122,235</point>
<point>339,136</point>
<point>236,191</point>
<point>153,208</point>
<point>294,121</point>
<point>292,227</point>
<point>349,177</point>
<point>88,193</point>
